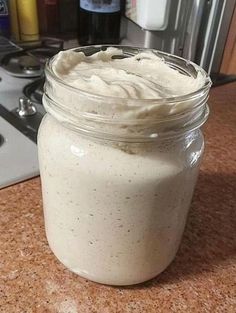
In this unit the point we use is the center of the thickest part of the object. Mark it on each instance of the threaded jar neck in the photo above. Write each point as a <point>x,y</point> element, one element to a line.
<point>124,119</point>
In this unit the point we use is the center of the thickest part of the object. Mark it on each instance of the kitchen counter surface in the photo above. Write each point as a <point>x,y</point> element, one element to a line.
<point>202,278</point>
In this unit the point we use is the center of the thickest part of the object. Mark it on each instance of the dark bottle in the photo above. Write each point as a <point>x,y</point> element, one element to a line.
<point>49,19</point>
<point>68,26</point>
<point>99,22</point>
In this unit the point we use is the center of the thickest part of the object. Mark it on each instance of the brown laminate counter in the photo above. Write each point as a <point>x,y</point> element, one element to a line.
<point>202,278</point>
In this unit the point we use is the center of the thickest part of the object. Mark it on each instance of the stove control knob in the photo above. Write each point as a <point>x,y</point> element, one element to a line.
<point>26,107</point>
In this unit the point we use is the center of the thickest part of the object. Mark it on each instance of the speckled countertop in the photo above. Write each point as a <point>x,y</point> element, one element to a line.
<point>202,278</point>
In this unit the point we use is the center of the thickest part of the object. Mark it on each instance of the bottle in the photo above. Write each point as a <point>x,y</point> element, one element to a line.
<point>68,26</point>
<point>99,21</point>
<point>15,32</point>
<point>4,19</point>
<point>28,20</point>
<point>49,23</point>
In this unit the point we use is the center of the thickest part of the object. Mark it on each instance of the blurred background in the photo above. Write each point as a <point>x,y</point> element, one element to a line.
<point>32,31</point>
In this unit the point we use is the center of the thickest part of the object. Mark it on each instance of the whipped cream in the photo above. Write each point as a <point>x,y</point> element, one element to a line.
<point>142,76</point>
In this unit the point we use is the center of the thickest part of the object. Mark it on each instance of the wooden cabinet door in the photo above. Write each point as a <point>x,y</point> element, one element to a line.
<point>228,65</point>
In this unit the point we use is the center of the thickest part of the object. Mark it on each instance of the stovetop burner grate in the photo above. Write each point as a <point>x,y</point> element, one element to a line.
<point>30,62</point>
<point>34,90</point>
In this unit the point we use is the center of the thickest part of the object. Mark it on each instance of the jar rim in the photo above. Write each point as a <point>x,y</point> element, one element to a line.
<point>126,118</point>
<point>136,102</point>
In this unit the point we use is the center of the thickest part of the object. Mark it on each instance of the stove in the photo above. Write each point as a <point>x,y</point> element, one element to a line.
<point>21,110</point>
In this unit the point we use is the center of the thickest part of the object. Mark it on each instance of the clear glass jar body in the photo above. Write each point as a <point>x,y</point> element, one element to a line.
<point>114,216</point>
<point>115,205</point>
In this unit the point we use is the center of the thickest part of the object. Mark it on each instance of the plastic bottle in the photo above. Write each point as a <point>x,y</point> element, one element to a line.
<point>28,20</point>
<point>15,32</point>
<point>49,20</point>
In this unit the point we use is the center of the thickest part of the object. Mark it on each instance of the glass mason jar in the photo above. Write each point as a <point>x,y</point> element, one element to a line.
<point>117,189</point>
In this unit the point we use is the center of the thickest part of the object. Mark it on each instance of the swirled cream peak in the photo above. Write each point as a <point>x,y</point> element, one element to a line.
<point>142,76</point>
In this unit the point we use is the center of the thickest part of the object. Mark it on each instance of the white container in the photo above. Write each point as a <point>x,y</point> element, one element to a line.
<point>149,14</point>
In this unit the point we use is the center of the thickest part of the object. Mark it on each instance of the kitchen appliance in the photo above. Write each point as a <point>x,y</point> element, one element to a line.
<point>21,110</point>
<point>194,29</point>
